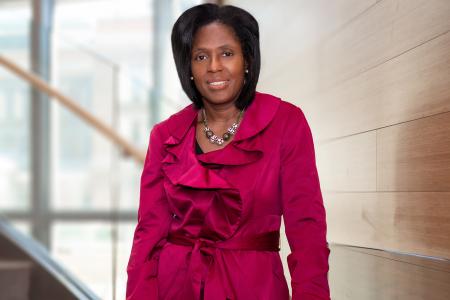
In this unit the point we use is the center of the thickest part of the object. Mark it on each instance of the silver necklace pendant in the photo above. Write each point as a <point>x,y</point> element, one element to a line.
<point>213,138</point>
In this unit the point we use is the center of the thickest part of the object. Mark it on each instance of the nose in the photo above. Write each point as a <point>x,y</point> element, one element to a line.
<point>215,64</point>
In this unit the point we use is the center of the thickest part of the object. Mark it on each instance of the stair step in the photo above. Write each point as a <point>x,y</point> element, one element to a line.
<point>14,279</point>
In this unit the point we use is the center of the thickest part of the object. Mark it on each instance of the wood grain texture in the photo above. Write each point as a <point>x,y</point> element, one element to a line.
<point>374,84</point>
<point>386,30</point>
<point>415,156</point>
<point>423,261</point>
<point>288,32</point>
<point>377,34</point>
<point>411,86</point>
<point>406,222</point>
<point>370,276</point>
<point>348,164</point>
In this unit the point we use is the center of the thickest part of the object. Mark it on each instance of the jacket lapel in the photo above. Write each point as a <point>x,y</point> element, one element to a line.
<point>183,167</point>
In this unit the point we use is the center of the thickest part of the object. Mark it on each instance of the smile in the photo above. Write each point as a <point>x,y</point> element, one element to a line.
<point>217,83</point>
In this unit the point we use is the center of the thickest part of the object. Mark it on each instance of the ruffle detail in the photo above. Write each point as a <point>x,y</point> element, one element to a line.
<point>197,190</point>
<point>184,170</point>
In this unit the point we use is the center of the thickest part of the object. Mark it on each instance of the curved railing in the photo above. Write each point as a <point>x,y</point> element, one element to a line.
<point>50,280</point>
<point>90,119</point>
<point>70,104</point>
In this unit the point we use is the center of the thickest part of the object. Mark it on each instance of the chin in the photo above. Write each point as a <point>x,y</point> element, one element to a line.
<point>218,99</point>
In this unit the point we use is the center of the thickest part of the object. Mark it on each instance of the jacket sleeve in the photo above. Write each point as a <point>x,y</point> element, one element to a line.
<point>303,211</point>
<point>151,230</point>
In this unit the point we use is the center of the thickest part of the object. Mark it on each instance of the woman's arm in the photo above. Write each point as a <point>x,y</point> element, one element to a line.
<point>151,230</point>
<point>303,211</point>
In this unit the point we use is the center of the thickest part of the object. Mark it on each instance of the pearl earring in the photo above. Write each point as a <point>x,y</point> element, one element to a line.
<point>192,78</point>
<point>246,71</point>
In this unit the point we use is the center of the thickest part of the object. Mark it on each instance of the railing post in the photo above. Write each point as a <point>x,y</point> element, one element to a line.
<point>41,28</point>
<point>162,23</point>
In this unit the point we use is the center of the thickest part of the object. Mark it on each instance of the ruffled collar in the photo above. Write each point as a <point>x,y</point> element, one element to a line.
<point>242,149</point>
<point>189,173</point>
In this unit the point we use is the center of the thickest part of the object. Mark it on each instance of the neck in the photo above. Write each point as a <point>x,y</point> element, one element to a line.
<point>221,113</point>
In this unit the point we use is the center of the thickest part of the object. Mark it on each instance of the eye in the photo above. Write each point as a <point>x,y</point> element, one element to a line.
<point>200,57</point>
<point>227,53</point>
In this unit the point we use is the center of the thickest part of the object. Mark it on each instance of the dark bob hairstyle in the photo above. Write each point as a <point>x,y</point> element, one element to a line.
<point>244,26</point>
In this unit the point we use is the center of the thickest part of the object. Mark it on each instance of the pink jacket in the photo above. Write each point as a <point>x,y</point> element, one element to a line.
<point>208,223</point>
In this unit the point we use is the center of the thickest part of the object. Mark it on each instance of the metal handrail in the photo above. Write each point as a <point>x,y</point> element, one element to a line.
<point>70,104</point>
<point>40,256</point>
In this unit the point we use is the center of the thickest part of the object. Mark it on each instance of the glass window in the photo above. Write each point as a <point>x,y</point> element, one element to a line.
<point>103,62</point>
<point>23,226</point>
<point>124,243</point>
<point>85,250</point>
<point>15,20</point>
<point>102,58</point>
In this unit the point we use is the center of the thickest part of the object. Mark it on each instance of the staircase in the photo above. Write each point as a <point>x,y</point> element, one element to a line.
<point>15,279</point>
<point>371,274</point>
<point>27,272</point>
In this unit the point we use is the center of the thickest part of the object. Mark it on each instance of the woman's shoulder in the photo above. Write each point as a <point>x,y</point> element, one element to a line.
<point>176,123</point>
<point>279,110</point>
<point>284,104</point>
<point>286,111</point>
<point>291,122</point>
<point>291,109</point>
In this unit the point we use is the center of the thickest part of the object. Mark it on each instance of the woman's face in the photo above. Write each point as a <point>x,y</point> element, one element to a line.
<point>217,63</point>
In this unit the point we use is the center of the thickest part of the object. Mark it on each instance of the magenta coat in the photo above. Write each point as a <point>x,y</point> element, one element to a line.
<point>208,223</point>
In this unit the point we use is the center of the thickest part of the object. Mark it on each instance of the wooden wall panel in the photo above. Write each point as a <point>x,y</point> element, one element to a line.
<point>289,29</point>
<point>439,264</point>
<point>370,276</point>
<point>407,222</point>
<point>385,31</point>
<point>374,83</point>
<point>413,85</point>
<point>380,33</point>
<point>348,164</point>
<point>412,156</point>
<point>415,156</point>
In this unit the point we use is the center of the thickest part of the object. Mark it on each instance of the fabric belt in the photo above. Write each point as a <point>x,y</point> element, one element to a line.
<point>268,241</point>
<point>203,247</point>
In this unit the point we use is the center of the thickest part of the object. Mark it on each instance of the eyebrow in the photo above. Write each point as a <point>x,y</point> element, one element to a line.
<point>206,49</point>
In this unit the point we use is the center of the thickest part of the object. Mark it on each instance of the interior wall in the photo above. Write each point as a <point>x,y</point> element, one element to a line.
<point>373,78</point>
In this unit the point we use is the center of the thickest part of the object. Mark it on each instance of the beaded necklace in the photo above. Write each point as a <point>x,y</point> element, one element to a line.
<point>213,138</point>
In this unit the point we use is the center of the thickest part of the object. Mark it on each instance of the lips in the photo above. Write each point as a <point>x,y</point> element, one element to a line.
<point>217,84</point>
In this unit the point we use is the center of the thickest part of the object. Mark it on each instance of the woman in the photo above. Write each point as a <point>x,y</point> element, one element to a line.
<point>219,175</point>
